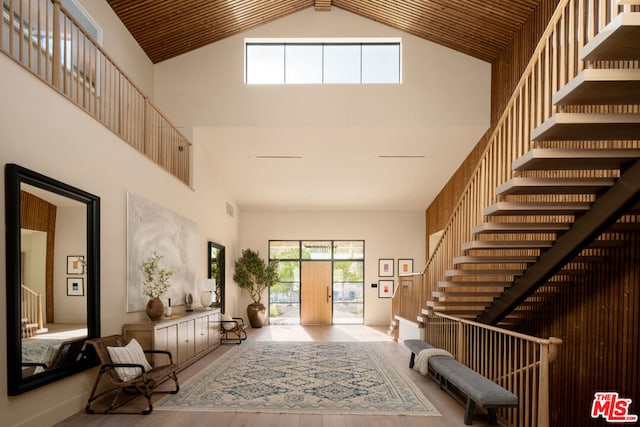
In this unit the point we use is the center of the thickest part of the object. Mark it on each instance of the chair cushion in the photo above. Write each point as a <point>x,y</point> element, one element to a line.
<point>130,353</point>
<point>228,326</point>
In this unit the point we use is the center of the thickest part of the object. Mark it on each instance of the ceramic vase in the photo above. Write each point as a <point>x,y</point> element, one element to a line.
<point>257,314</point>
<point>155,309</point>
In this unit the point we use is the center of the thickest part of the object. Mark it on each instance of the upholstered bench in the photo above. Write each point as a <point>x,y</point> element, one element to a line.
<point>476,388</point>
<point>416,346</point>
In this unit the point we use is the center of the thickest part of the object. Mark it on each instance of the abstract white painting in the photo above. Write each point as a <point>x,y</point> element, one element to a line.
<point>153,228</point>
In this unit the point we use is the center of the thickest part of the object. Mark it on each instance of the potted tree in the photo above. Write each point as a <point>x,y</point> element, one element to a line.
<point>254,275</point>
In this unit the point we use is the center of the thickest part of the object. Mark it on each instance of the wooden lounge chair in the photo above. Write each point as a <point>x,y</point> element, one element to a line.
<point>232,330</point>
<point>125,389</point>
<point>67,352</point>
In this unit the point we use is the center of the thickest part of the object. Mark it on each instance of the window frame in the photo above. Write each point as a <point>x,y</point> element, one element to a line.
<point>332,259</point>
<point>284,42</point>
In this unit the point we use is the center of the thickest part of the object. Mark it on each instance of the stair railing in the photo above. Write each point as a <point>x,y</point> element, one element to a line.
<point>517,362</point>
<point>408,296</point>
<point>45,39</point>
<point>31,306</point>
<point>555,61</point>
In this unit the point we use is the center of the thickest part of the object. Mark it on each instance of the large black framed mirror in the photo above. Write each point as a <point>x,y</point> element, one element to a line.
<point>216,271</point>
<point>53,278</point>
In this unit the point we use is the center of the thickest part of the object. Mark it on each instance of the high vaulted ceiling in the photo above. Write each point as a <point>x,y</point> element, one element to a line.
<point>168,28</point>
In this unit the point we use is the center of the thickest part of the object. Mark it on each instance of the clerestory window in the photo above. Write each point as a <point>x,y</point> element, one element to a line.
<point>312,61</point>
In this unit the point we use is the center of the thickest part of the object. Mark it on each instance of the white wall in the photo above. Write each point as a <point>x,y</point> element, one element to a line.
<point>34,249</point>
<point>121,46</point>
<point>71,239</point>
<point>440,88</point>
<point>44,132</point>
<point>386,235</point>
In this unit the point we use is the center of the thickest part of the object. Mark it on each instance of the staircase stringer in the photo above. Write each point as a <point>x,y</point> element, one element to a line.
<point>605,211</point>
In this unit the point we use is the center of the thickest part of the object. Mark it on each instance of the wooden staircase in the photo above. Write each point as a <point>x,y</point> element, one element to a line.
<point>557,215</point>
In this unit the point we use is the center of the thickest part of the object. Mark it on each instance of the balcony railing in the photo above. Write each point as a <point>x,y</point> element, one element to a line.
<point>45,39</point>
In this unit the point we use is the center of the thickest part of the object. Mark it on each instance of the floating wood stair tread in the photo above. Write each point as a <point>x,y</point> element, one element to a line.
<point>507,272</point>
<point>601,87</point>
<point>588,126</point>
<point>506,259</point>
<point>488,272</point>
<point>620,39</point>
<point>480,284</point>
<point>606,244</point>
<point>558,159</point>
<point>554,186</point>
<point>447,304</point>
<point>469,304</point>
<point>529,244</point>
<point>464,314</point>
<point>625,227</point>
<point>506,244</point>
<point>539,208</point>
<point>520,227</point>
<point>484,294</point>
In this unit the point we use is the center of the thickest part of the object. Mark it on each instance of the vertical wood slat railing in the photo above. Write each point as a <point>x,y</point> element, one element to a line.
<point>555,61</point>
<point>519,363</point>
<point>46,40</point>
<point>31,310</point>
<point>408,295</point>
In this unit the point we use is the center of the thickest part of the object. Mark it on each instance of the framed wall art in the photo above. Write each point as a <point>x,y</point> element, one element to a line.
<point>75,264</point>
<point>385,267</point>
<point>75,286</point>
<point>405,266</point>
<point>385,288</point>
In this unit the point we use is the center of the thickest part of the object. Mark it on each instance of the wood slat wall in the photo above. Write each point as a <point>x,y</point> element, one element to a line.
<point>599,321</point>
<point>40,215</point>
<point>439,211</point>
<point>507,69</point>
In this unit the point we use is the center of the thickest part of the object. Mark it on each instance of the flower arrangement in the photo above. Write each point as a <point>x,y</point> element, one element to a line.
<point>156,278</point>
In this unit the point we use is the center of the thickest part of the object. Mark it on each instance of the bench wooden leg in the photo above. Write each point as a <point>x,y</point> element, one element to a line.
<point>492,416</point>
<point>468,413</point>
<point>412,361</point>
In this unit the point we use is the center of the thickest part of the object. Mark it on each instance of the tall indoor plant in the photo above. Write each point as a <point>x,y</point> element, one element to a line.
<point>254,275</point>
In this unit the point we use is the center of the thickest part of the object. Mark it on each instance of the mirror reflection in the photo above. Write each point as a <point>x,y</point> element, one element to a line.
<point>217,272</point>
<point>53,278</point>
<point>53,311</point>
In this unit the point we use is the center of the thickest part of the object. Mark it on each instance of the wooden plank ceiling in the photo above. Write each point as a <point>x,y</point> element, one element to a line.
<point>168,28</point>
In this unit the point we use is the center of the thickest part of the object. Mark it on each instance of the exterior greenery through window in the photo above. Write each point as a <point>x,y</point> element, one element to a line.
<point>369,61</point>
<point>347,257</point>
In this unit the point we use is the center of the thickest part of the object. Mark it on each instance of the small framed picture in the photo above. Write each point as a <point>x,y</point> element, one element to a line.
<point>405,266</point>
<point>75,286</point>
<point>75,264</point>
<point>385,288</point>
<point>385,267</point>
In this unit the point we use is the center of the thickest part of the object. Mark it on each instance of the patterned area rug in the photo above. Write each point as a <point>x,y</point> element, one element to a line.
<point>301,378</point>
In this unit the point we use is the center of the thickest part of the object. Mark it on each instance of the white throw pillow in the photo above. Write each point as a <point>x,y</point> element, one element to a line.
<point>130,353</point>
<point>227,326</point>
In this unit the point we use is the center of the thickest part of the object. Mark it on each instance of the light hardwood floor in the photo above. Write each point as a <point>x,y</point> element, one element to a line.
<point>398,354</point>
